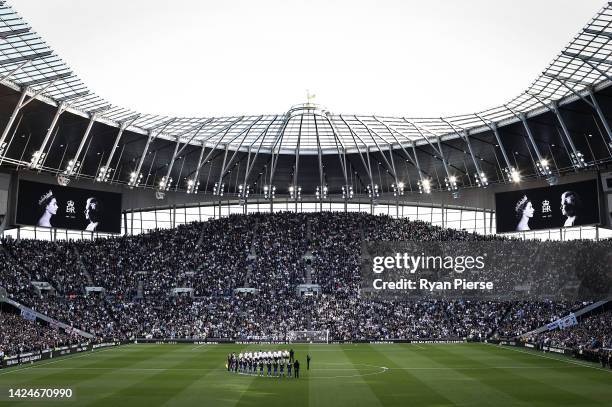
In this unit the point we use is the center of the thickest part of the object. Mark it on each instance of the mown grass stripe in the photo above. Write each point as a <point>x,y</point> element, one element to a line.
<point>399,386</point>
<point>453,381</point>
<point>525,385</point>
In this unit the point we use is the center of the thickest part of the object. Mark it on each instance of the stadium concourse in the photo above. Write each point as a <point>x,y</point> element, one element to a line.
<point>263,252</point>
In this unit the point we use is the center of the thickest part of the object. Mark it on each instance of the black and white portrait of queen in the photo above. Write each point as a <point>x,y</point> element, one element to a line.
<point>47,208</point>
<point>524,212</point>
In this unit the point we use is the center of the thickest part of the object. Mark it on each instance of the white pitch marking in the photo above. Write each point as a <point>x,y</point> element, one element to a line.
<point>59,359</point>
<point>384,368</point>
<point>551,358</point>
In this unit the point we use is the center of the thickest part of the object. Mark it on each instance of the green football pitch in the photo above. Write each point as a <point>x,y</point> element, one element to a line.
<point>340,375</point>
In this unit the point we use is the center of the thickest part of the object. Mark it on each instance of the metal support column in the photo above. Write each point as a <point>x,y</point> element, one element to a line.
<point>74,163</point>
<point>602,117</point>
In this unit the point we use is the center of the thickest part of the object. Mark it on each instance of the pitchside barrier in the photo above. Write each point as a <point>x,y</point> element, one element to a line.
<point>35,356</point>
<point>214,341</point>
<point>584,354</point>
<point>30,357</point>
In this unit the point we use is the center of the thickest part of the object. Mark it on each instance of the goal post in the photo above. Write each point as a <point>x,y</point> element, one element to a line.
<point>308,336</point>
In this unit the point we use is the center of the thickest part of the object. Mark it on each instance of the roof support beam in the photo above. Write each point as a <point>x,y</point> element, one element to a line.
<point>136,175</point>
<point>373,192</point>
<point>225,168</point>
<point>438,150</point>
<point>391,131</point>
<point>562,81</point>
<point>417,164</point>
<point>294,184</point>
<point>252,165</point>
<point>165,183</point>
<point>274,159</point>
<point>13,33</point>
<point>495,131</point>
<point>74,163</point>
<point>39,155</point>
<point>11,120</point>
<point>199,128</point>
<point>12,71</point>
<point>542,167</point>
<point>341,154</point>
<point>74,96</point>
<point>224,129</point>
<point>555,109</point>
<point>598,33</point>
<point>587,59</point>
<point>195,183</point>
<point>218,190</point>
<point>20,104</point>
<point>320,161</point>
<point>602,117</point>
<point>480,175</point>
<point>46,79</point>
<point>370,132</point>
<point>365,165</point>
<point>26,58</point>
<point>523,119</point>
<point>104,171</point>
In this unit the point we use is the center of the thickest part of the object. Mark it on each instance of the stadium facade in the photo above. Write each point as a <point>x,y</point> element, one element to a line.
<point>305,259</point>
<point>54,129</point>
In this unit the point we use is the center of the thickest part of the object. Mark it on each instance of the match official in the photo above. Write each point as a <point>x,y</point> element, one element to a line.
<point>296,369</point>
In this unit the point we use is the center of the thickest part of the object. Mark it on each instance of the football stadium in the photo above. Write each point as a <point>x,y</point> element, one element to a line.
<point>302,257</point>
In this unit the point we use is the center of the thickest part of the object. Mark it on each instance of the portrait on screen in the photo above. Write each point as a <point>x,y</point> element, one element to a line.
<point>558,206</point>
<point>524,212</point>
<point>571,206</point>
<point>55,206</point>
<point>47,208</point>
<point>93,213</point>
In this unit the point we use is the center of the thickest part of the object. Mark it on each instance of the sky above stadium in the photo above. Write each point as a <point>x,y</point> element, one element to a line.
<point>387,57</point>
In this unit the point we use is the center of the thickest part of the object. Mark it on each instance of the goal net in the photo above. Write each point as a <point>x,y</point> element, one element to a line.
<point>308,336</point>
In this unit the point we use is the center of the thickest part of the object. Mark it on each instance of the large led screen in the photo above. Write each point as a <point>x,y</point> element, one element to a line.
<point>56,206</point>
<point>557,206</point>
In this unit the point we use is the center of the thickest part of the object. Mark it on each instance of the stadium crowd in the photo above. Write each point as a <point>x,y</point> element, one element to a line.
<point>180,283</point>
<point>592,332</point>
<point>19,335</point>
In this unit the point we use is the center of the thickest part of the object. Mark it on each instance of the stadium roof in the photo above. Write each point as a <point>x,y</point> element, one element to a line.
<point>28,64</point>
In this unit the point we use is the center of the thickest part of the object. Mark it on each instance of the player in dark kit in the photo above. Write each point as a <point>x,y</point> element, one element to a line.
<point>290,355</point>
<point>308,361</point>
<point>296,369</point>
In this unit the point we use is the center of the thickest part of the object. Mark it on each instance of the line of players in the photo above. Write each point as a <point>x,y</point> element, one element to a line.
<point>270,363</point>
